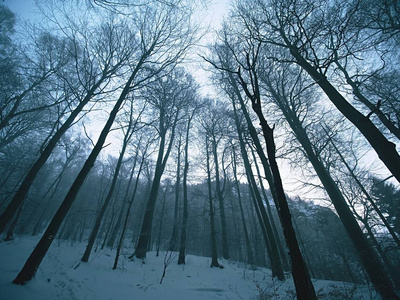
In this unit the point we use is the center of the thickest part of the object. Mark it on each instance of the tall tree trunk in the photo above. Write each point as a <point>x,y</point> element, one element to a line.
<point>145,233</point>
<point>26,184</point>
<point>214,253</point>
<point>246,234</point>
<point>373,108</point>
<point>130,130</point>
<point>304,287</point>
<point>367,255</point>
<point>220,196</point>
<point>271,242</point>
<point>367,195</point>
<point>128,210</point>
<point>116,228</point>
<point>36,257</point>
<point>173,244</point>
<point>161,223</point>
<point>182,248</point>
<point>385,149</point>
<point>285,263</point>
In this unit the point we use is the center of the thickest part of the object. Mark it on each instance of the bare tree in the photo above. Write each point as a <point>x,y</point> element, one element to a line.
<point>167,96</point>
<point>155,50</point>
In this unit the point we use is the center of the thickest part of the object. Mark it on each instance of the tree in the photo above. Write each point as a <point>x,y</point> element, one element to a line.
<point>191,113</point>
<point>386,196</point>
<point>101,72</point>
<point>131,128</point>
<point>265,222</point>
<point>154,41</point>
<point>298,28</point>
<point>214,253</point>
<point>167,95</point>
<point>303,284</point>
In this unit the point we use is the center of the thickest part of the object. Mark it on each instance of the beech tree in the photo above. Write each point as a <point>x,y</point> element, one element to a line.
<point>113,55</point>
<point>167,95</point>
<point>298,28</point>
<point>152,49</point>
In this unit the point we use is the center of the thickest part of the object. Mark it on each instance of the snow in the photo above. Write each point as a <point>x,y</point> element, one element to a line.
<point>58,277</point>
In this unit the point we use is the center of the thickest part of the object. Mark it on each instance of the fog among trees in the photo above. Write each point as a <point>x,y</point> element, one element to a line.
<point>284,156</point>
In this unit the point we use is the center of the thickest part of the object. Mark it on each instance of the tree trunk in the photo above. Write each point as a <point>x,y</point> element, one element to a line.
<point>285,263</point>
<point>173,245</point>
<point>182,249</point>
<point>269,236</point>
<point>385,149</point>
<point>26,184</point>
<point>214,253</point>
<point>246,234</point>
<point>220,196</point>
<point>145,233</point>
<point>95,230</point>
<point>128,210</point>
<point>304,287</point>
<point>36,257</point>
<point>367,255</point>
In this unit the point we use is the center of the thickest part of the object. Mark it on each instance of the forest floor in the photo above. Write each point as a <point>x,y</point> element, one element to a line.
<point>62,276</point>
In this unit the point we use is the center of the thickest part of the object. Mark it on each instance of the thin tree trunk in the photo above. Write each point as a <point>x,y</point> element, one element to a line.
<point>285,263</point>
<point>246,234</point>
<point>225,248</point>
<point>122,236</point>
<point>182,248</point>
<point>160,227</point>
<point>145,233</point>
<point>173,244</point>
<point>214,254</point>
<point>95,230</point>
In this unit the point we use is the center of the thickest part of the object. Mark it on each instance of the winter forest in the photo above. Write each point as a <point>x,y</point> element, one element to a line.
<point>132,130</point>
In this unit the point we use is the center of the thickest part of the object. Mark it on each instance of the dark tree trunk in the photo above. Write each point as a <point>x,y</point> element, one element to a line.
<point>214,253</point>
<point>367,255</point>
<point>160,226</point>
<point>304,287</point>
<point>374,108</point>
<point>285,263</point>
<point>95,230</point>
<point>220,196</point>
<point>145,233</point>
<point>128,210</point>
<point>26,184</point>
<point>269,236</point>
<point>246,234</point>
<point>117,226</point>
<point>173,245</point>
<point>385,149</point>
<point>182,248</point>
<point>34,260</point>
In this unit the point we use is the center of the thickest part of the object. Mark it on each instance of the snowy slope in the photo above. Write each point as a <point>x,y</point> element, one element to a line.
<point>58,279</point>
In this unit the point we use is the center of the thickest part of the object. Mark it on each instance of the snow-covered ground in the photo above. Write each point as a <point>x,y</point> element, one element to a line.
<point>57,277</point>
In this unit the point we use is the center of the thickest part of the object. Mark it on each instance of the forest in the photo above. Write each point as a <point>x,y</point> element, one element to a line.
<point>284,155</point>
